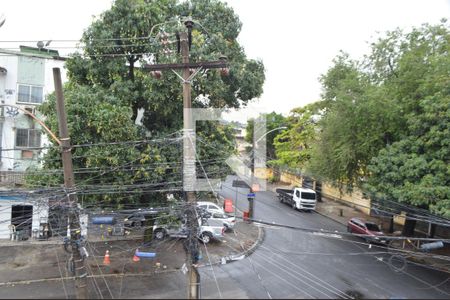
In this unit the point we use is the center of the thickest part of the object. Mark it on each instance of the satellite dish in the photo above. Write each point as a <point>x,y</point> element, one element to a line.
<point>40,44</point>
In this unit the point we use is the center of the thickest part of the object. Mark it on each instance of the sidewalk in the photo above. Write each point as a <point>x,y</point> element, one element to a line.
<point>339,212</point>
<point>237,243</point>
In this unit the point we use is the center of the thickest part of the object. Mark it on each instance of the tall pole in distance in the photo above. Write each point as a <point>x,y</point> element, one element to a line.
<point>69,183</point>
<point>189,172</point>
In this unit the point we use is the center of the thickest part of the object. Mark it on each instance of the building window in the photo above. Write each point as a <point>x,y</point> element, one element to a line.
<point>30,94</point>
<point>27,138</point>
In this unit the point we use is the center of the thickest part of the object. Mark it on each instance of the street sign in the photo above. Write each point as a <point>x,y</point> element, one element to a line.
<point>240,184</point>
<point>251,195</point>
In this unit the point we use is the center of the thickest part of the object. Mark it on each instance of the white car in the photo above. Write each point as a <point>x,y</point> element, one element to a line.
<point>208,230</point>
<point>210,207</point>
<point>228,221</point>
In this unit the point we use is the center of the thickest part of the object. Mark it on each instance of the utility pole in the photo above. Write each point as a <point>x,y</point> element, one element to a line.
<point>69,184</point>
<point>189,174</point>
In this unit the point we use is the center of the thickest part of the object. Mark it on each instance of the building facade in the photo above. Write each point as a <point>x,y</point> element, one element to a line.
<point>22,217</point>
<point>26,78</point>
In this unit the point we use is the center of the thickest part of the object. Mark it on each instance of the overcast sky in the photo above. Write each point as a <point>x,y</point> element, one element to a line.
<point>295,39</point>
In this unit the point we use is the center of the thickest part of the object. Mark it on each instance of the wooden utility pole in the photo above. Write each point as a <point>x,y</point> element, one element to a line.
<point>69,184</point>
<point>189,174</point>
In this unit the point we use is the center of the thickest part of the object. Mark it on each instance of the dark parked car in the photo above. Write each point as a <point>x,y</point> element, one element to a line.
<point>360,226</point>
<point>137,219</point>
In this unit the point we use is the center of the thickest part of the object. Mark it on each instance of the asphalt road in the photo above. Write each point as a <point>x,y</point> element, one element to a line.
<point>295,264</point>
<point>288,264</point>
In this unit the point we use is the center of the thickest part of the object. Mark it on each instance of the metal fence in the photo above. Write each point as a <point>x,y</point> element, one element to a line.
<point>11,178</point>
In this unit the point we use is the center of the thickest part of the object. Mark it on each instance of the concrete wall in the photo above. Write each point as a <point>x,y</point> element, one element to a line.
<point>354,199</point>
<point>5,219</point>
<point>263,173</point>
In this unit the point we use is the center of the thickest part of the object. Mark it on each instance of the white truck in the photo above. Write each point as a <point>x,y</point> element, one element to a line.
<point>298,198</point>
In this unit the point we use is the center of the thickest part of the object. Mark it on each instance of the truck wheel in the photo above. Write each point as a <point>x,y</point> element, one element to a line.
<point>293,205</point>
<point>159,234</point>
<point>206,237</point>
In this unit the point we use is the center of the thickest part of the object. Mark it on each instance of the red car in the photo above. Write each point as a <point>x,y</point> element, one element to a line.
<point>359,226</point>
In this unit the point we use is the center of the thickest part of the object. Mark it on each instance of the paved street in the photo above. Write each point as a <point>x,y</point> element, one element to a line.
<point>287,264</point>
<point>295,264</point>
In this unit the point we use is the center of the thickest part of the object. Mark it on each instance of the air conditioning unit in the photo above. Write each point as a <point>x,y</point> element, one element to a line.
<point>30,109</point>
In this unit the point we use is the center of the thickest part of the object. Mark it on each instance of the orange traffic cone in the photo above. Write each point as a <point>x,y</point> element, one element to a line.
<point>106,260</point>
<point>135,257</point>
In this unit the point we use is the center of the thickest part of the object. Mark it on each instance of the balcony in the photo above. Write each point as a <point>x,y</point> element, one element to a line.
<point>12,178</point>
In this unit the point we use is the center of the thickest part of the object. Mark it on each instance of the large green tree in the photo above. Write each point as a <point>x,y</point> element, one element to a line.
<point>386,122</point>
<point>137,32</point>
<point>415,169</point>
<point>273,121</point>
<point>293,146</point>
<point>107,88</point>
<point>359,119</point>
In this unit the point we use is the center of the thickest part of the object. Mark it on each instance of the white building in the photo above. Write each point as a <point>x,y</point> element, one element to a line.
<point>21,216</point>
<point>26,78</point>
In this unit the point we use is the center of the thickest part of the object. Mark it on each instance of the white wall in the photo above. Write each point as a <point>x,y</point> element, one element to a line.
<point>40,210</point>
<point>8,93</point>
<point>5,219</point>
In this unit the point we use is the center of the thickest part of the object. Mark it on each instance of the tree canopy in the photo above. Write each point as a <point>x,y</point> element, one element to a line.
<point>293,146</point>
<point>137,32</point>
<point>386,121</point>
<point>108,87</point>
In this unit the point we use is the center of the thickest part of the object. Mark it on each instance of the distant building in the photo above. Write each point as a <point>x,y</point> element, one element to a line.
<point>239,134</point>
<point>26,78</point>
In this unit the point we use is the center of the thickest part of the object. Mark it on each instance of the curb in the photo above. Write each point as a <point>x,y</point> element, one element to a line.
<point>240,256</point>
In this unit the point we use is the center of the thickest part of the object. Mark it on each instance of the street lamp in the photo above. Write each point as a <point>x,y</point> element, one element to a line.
<point>278,128</point>
<point>250,203</point>
<point>253,150</point>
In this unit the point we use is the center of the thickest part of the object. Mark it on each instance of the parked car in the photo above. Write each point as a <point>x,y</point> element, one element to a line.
<point>208,230</point>
<point>137,218</point>
<point>228,221</point>
<point>360,226</point>
<point>210,207</point>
